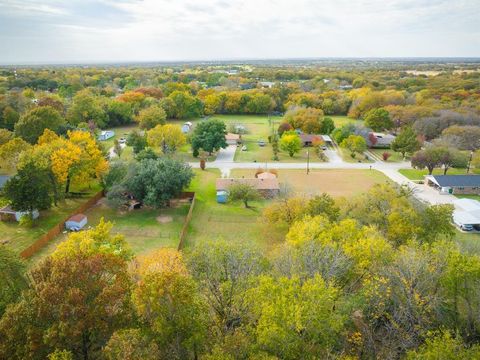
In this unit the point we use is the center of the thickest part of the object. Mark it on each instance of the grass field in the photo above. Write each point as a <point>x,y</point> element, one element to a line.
<point>342,120</point>
<point>141,228</point>
<point>231,222</point>
<point>341,182</point>
<point>414,174</point>
<point>469,243</point>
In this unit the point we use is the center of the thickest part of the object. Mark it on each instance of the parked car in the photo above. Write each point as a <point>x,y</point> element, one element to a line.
<point>261,143</point>
<point>324,147</point>
<point>466,227</point>
<point>244,148</point>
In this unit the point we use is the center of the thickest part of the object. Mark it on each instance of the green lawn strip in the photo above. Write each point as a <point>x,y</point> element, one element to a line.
<point>340,120</point>
<point>415,174</point>
<point>468,242</point>
<point>359,158</point>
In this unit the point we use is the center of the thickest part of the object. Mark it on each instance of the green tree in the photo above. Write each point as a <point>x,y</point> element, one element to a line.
<point>5,136</point>
<point>156,182</point>
<point>150,117</point>
<point>9,118</point>
<point>86,107</point>
<point>185,106</point>
<point>327,126</point>
<point>32,125</point>
<point>325,205</point>
<point>378,119</point>
<point>445,347</point>
<point>430,158</point>
<point>137,141</point>
<point>406,142</point>
<point>118,113</point>
<point>76,300</point>
<point>224,269</point>
<point>131,344</point>
<point>12,280</point>
<point>242,192</point>
<point>208,136</point>
<point>290,142</point>
<point>292,316</point>
<point>29,189</point>
<point>355,144</point>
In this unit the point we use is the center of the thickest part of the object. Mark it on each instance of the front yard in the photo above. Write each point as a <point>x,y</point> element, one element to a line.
<point>415,174</point>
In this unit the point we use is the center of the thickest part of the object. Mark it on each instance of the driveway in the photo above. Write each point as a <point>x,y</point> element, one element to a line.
<point>333,156</point>
<point>224,156</point>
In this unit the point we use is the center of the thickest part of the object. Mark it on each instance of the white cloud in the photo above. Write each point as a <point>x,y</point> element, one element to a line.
<point>111,30</point>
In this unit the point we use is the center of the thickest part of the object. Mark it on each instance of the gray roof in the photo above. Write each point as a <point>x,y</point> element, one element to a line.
<point>457,180</point>
<point>3,180</point>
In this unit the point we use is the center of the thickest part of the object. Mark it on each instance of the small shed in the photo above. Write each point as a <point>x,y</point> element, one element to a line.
<point>8,214</point>
<point>222,197</point>
<point>76,222</point>
<point>105,135</point>
<point>186,127</point>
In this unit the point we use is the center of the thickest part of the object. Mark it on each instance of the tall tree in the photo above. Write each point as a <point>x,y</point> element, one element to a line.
<point>33,124</point>
<point>29,189</point>
<point>290,142</point>
<point>208,136</point>
<point>406,142</point>
<point>355,144</point>
<point>378,119</point>
<point>12,279</point>
<point>150,117</point>
<point>167,137</point>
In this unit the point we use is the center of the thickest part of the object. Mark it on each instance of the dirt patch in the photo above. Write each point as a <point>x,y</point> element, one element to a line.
<point>164,219</point>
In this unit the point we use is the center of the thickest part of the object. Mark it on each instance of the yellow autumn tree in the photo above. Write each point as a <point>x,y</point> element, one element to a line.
<point>11,151</point>
<point>79,160</point>
<point>163,260</point>
<point>166,137</point>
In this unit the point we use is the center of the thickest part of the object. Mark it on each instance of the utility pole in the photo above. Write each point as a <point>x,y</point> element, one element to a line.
<point>469,161</point>
<point>308,162</point>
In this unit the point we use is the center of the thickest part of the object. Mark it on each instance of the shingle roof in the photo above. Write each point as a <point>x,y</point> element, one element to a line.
<point>259,184</point>
<point>77,218</point>
<point>457,180</point>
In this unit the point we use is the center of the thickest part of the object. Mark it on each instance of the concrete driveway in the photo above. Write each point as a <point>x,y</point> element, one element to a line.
<point>225,155</point>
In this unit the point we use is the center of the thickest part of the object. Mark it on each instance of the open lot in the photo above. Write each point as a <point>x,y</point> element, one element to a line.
<point>231,222</point>
<point>144,229</point>
<point>338,182</point>
<point>394,156</point>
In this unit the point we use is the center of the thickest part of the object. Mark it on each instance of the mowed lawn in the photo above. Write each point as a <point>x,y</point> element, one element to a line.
<point>394,156</point>
<point>415,174</point>
<point>340,120</point>
<point>337,182</point>
<point>144,229</point>
<point>231,222</point>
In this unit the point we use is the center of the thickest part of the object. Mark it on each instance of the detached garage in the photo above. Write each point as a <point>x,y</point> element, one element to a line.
<point>467,214</point>
<point>76,222</point>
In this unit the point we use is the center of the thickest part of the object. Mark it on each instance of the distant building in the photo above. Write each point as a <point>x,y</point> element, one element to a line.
<point>309,139</point>
<point>233,139</point>
<point>466,214</point>
<point>266,84</point>
<point>454,184</point>
<point>380,140</point>
<point>106,134</point>
<point>3,180</point>
<point>8,214</point>
<point>187,127</point>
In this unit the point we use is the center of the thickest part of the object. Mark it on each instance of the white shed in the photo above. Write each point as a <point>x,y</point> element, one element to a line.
<point>105,135</point>
<point>76,222</point>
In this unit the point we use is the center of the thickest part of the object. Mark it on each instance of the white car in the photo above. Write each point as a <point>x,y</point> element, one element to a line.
<point>244,148</point>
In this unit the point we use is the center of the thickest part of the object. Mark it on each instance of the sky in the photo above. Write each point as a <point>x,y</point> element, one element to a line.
<point>77,31</point>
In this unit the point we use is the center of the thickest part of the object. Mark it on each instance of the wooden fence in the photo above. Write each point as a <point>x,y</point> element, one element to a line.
<point>183,233</point>
<point>58,228</point>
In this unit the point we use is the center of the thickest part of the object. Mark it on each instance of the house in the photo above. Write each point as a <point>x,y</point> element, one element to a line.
<point>380,140</point>
<point>309,139</point>
<point>76,222</point>
<point>233,139</point>
<point>8,214</point>
<point>466,214</point>
<point>106,134</point>
<point>266,84</point>
<point>187,127</point>
<point>3,180</point>
<point>454,184</point>
<point>266,175</point>
<point>268,188</point>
